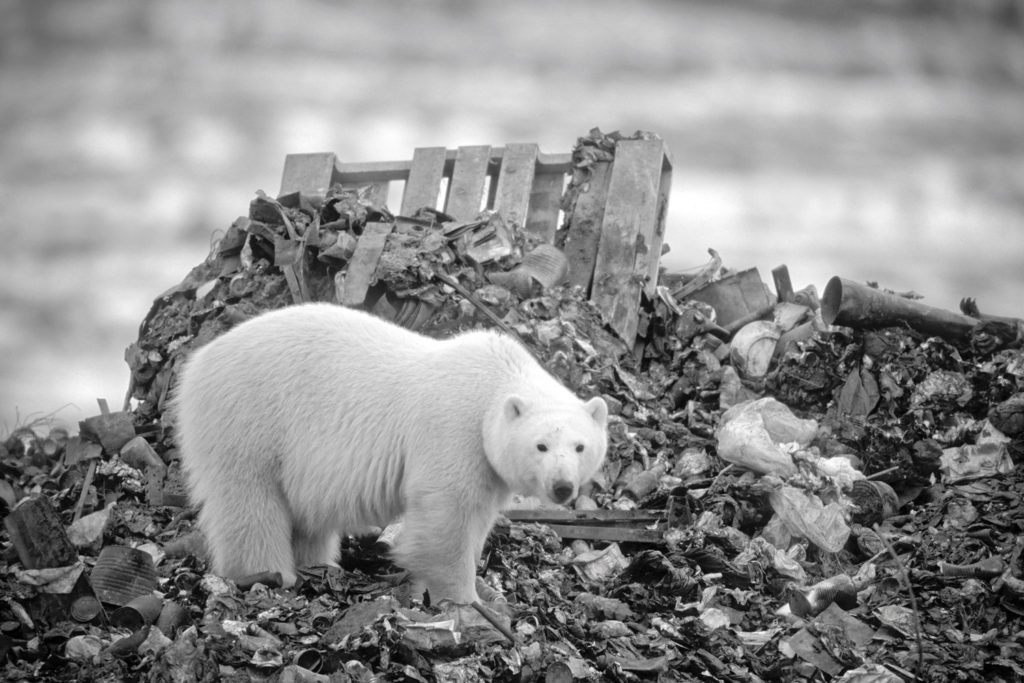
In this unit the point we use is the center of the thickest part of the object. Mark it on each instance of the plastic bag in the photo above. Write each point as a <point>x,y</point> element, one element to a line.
<point>752,434</point>
<point>807,517</point>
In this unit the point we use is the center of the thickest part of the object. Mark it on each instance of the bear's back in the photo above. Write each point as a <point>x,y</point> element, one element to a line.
<point>326,359</point>
<point>270,370</point>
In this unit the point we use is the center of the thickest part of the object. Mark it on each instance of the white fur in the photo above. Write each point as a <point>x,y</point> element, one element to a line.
<point>316,420</point>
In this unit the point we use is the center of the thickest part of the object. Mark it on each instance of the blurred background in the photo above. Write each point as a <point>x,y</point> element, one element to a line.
<point>879,140</point>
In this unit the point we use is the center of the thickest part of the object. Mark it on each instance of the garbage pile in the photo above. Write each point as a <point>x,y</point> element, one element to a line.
<point>797,488</point>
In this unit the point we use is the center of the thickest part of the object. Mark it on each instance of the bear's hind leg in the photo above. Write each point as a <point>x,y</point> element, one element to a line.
<point>249,533</point>
<point>322,548</point>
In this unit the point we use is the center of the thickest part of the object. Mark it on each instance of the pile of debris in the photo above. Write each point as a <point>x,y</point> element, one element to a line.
<point>796,488</point>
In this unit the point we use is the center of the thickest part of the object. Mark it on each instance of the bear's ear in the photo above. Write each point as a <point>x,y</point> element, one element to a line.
<point>598,410</point>
<point>515,406</point>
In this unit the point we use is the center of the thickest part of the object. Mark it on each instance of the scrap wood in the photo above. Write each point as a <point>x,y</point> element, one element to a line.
<point>42,544</point>
<point>632,232</point>
<point>104,421</point>
<point>595,517</point>
<point>360,272</point>
<point>624,526</point>
<point>38,535</point>
<point>289,256</point>
<point>783,284</point>
<point>609,533</point>
<point>86,485</point>
<point>586,196</point>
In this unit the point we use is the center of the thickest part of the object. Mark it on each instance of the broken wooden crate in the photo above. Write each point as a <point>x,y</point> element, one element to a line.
<point>614,238</point>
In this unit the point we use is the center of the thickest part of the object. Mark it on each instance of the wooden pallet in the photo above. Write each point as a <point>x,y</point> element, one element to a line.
<point>615,238</point>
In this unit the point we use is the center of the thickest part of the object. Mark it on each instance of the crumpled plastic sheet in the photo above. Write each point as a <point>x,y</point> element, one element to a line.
<point>805,515</point>
<point>752,434</point>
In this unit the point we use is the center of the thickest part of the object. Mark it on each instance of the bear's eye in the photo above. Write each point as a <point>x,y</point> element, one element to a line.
<point>579,448</point>
<point>542,448</point>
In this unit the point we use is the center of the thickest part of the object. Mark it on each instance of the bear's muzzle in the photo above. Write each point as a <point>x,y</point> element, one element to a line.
<point>562,491</point>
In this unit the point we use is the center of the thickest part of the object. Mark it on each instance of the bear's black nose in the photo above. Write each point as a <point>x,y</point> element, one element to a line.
<point>562,491</point>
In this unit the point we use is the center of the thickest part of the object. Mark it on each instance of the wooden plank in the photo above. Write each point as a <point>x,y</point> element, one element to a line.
<point>629,234</point>
<point>310,174</point>
<point>515,183</point>
<point>362,172</point>
<point>424,183</point>
<point>364,260</point>
<point>554,163</point>
<point>658,238</point>
<point>290,257</point>
<point>354,173</point>
<point>38,535</point>
<point>41,542</point>
<point>466,190</point>
<point>589,516</point>
<point>783,285</point>
<point>584,234</point>
<point>542,220</point>
<point>367,171</point>
<point>609,533</point>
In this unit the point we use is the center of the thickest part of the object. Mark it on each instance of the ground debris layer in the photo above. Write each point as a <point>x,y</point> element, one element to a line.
<point>886,543</point>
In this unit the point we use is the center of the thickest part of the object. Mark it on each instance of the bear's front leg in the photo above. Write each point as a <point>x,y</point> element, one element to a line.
<point>248,530</point>
<point>322,547</point>
<point>440,543</point>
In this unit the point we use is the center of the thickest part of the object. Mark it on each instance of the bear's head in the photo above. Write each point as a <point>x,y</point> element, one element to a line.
<point>546,450</point>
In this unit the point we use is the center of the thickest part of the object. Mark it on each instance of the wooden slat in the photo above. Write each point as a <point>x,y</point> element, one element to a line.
<point>424,183</point>
<point>363,263</point>
<point>783,284</point>
<point>355,172</point>
<point>629,235</point>
<point>466,190</point>
<point>584,234</point>
<point>617,534</point>
<point>38,535</point>
<point>289,256</point>
<point>515,180</point>
<point>368,171</point>
<point>554,163</point>
<point>310,174</point>
<point>605,517</point>
<point>658,238</point>
<point>545,197</point>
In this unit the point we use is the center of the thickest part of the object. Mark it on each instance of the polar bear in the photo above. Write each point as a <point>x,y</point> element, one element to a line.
<point>317,420</point>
